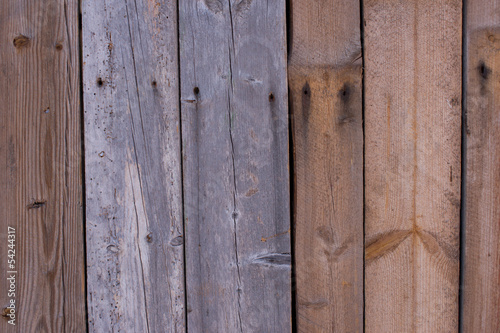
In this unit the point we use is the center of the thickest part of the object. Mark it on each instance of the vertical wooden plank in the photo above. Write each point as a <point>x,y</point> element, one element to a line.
<point>324,73</point>
<point>133,174</point>
<point>481,300</point>
<point>40,173</point>
<point>412,164</point>
<point>235,158</point>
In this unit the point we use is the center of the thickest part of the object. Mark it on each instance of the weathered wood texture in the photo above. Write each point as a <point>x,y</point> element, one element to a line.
<point>132,159</point>
<point>324,74</point>
<point>40,173</point>
<point>412,164</point>
<point>481,300</point>
<point>235,161</point>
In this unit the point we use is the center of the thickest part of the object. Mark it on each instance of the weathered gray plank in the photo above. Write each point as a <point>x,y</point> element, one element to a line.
<point>412,164</point>
<point>40,169</point>
<point>324,75</point>
<point>132,158</point>
<point>235,158</point>
<point>481,267</point>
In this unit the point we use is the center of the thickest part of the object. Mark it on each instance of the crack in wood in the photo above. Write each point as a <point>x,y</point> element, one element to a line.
<point>37,204</point>
<point>274,259</point>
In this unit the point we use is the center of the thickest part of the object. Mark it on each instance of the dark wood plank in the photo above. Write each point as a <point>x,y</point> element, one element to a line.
<point>481,290</point>
<point>40,173</point>
<point>412,164</point>
<point>133,174</point>
<point>324,74</point>
<point>235,161</point>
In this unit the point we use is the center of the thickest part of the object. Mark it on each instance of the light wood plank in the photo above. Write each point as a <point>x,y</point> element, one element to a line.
<point>324,74</point>
<point>235,161</point>
<point>481,300</point>
<point>132,159</point>
<point>40,173</point>
<point>412,164</point>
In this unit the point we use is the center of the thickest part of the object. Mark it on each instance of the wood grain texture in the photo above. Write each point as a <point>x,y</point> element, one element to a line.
<point>133,174</point>
<point>481,300</point>
<point>324,74</point>
<point>235,161</point>
<point>40,172</point>
<point>412,164</point>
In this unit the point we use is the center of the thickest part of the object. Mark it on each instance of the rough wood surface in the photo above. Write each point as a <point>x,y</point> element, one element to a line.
<point>324,74</point>
<point>412,164</point>
<point>235,161</point>
<point>132,162</point>
<point>40,172</point>
<point>481,300</point>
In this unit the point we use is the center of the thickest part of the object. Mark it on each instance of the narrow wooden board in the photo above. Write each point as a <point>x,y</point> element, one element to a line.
<point>132,162</point>
<point>40,172</point>
<point>235,165</point>
<point>412,164</point>
<point>324,74</point>
<point>481,290</point>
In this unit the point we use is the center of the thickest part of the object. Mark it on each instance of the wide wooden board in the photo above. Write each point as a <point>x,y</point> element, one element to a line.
<point>132,163</point>
<point>324,74</point>
<point>412,164</point>
<point>40,172</point>
<point>235,165</point>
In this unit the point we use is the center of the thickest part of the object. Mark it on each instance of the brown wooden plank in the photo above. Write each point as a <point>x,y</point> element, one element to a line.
<point>324,73</point>
<point>481,300</point>
<point>40,173</point>
<point>133,174</point>
<point>235,165</point>
<point>412,164</point>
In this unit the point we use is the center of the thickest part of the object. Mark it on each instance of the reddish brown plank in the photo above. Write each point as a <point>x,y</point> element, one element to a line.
<point>40,173</point>
<point>324,75</point>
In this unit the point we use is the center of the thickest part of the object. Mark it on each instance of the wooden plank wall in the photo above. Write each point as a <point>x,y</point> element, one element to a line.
<point>40,173</point>
<point>412,164</point>
<point>324,72</point>
<point>481,289</point>
<point>187,182</point>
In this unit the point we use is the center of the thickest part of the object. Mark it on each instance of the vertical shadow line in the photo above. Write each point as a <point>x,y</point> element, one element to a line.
<point>177,3</point>
<point>292,176</point>
<point>362,40</point>
<point>463,181</point>
<point>82,159</point>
